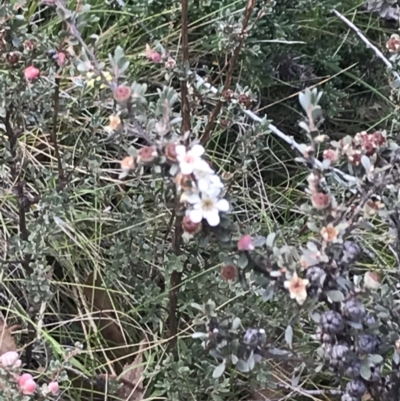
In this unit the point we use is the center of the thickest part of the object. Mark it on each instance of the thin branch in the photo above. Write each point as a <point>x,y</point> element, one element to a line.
<point>232,64</point>
<point>176,277</point>
<point>61,175</point>
<point>377,52</point>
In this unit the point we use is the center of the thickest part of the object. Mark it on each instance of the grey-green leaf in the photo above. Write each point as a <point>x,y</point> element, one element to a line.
<point>219,371</point>
<point>289,335</point>
<point>335,295</point>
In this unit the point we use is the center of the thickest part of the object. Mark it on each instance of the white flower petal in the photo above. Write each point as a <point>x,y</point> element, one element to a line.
<point>223,205</point>
<point>202,185</point>
<point>196,215</point>
<point>180,150</point>
<point>193,198</point>
<point>186,168</point>
<point>212,217</point>
<point>197,150</point>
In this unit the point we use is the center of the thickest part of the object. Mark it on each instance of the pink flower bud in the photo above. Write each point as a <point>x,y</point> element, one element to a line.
<point>331,155</point>
<point>27,384</point>
<point>61,58</point>
<point>10,359</point>
<point>31,72</point>
<point>245,243</point>
<point>53,387</point>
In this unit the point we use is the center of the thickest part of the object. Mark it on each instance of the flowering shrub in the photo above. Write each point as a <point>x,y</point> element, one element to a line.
<point>166,211</point>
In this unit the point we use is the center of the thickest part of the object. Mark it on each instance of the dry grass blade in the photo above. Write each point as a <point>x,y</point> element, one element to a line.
<point>101,301</point>
<point>7,341</point>
<point>131,378</point>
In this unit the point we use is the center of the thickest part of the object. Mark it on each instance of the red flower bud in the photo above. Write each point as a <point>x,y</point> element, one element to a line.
<point>123,94</point>
<point>190,227</point>
<point>320,200</point>
<point>61,59</point>
<point>229,272</point>
<point>147,154</point>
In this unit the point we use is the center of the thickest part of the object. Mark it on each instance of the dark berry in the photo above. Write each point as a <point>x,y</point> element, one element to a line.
<point>348,397</point>
<point>315,274</point>
<point>331,322</point>
<point>338,355</point>
<point>323,337</point>
<point>351,252</point>
<point>353,369</point>
<point>368,344</point>
<point>356,388</point>
<point>354,309</point>
<point>252,336</point>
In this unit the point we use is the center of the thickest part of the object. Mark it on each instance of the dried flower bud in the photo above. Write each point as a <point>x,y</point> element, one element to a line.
<point>147,154</point>
<point>229,272</point>
<point>378,139</point>
<point>245,243</point>
<point>227,94</point>
<point>170,152</point>
<point>184,182</point>
<point>189,226</point>
<point>244,100</point>
<point>332,155</point>
<point>372,280</point>
<point>170,63</point>
<point>29,45</point>
<point>12,58</point>
<point>123,94</point>
<point>54,387</point>
<point>393,44</point>
<point>320,200</point>
<point>31,72</point>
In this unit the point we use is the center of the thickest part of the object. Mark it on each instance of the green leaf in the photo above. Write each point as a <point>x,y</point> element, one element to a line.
<point>270,240</point>
<point>335,295</point>
<point>365,371</point>
<point>197,306</point>
<point>289,335</point>
<point>236,323</point>
<point>219,371</point>
<point>199,334</point>
<point>242,261</point>
<point>242,366</point>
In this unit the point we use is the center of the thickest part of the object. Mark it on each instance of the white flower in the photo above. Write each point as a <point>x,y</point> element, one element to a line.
<point>206,207</point>
<point>190,159</point>
<point>297,288</point>
<point>208,183</point>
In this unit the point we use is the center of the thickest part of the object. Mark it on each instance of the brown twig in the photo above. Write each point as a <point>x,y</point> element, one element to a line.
<point>229,75</point>
<point>176,277</point>
<point>54,139</point>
